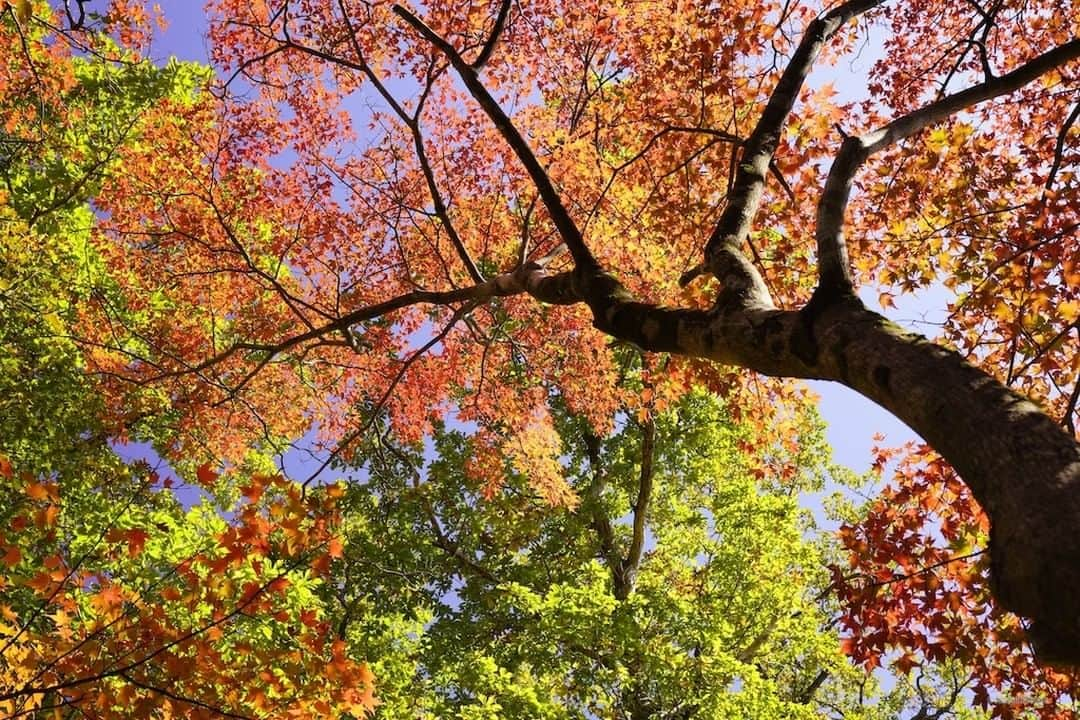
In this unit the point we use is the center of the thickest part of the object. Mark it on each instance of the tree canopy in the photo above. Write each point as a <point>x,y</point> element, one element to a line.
<point>533,284</point>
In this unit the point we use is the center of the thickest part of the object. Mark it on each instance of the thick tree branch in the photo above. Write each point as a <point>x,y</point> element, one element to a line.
<point>555,289</point>
<point>808,694</point>
<point>1025,474</point>
<point>493,38</point>
<point>623,569</point>
<point>439,205</point>
<point>601,524</point>
<point>629,566</point>
<point>835,274</point>
<point>723,256</point>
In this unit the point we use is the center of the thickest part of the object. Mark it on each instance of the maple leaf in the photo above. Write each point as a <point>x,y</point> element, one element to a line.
<point>12,556</point>
<point>108,600</point>
<point>136,539</point>
<point>206,475</point>
<point>259,267</point>
<point>335,548</point>
<point>39,491</point>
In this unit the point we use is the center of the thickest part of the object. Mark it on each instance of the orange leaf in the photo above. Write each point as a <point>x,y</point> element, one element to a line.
<point>334,548</point>
<point>12,557</point>
<point>37,491</point>
<point>46,517</point>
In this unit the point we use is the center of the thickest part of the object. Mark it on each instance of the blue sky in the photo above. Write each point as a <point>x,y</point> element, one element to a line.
<point>852,419</point>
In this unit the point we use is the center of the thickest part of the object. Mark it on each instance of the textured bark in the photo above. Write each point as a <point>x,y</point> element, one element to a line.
<point>1021,466</point>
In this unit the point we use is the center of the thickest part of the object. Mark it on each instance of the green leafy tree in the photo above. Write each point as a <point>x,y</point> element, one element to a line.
<point>684,584</point>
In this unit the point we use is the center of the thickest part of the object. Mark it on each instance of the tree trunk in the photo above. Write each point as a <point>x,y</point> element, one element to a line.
<point>1021,466</point>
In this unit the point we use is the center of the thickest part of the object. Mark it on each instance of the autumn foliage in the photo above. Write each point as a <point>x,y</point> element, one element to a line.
<point>484,250</point>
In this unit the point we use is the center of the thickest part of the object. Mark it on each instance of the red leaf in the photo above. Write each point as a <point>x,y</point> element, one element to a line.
<point>136,539</point>
<point>205,475</point>
<point>12,557</point>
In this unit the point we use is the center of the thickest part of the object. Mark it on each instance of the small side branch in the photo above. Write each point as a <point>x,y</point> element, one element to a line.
<point>560,216</point>
<point>808,694</point>
<point>949,105</point>
<point>623,569</point>
<point>77,19</point>
<point>1059,146</point>
<point>182,699</point>
<point>412,122</point>
<point>1074,397</point>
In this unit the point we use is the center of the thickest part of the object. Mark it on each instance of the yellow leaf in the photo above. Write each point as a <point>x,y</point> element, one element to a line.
<point>1069,310</point>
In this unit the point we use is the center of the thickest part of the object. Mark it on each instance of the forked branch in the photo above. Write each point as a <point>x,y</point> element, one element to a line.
<point>723,255</point>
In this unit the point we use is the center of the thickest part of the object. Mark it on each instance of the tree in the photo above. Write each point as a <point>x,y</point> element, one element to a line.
<point>453,206</point>
<point>705,601</point>
<point>350,237</point>
<point>115,599</point>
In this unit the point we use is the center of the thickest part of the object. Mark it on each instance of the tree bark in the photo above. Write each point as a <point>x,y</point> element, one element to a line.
<point>1021,466</point>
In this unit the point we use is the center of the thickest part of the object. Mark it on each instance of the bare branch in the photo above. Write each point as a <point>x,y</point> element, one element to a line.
<point>412,122</point>
<point>77,18</point>
<point>1059,146</point>
<point>441,210</point>
<point>172,695</point>
<point>493,39</point>
<point>398,377</point>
